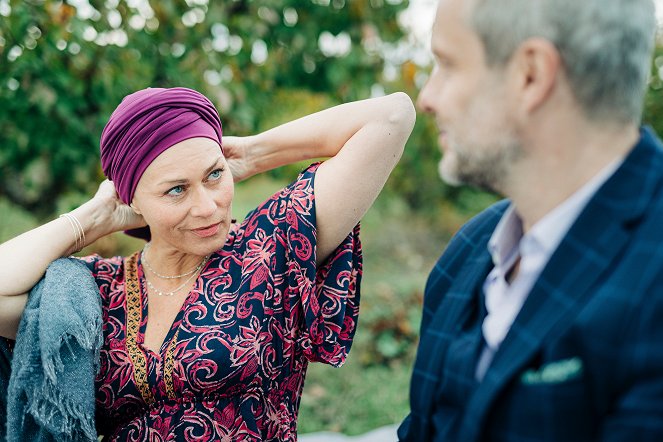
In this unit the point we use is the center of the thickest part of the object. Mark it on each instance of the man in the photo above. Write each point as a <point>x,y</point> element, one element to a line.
<point>543,319</point>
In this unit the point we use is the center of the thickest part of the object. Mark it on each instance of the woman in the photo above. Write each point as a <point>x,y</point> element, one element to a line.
<point>235,311</point>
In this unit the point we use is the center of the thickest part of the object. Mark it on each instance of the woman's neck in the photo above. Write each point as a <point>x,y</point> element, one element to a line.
<point>167,261</point>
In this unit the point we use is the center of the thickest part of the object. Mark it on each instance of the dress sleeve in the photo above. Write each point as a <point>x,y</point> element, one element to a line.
<point>323,302</point>
<point>92,262</point>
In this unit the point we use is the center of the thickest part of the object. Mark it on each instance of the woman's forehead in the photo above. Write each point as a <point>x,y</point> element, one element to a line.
<point>189,156</point>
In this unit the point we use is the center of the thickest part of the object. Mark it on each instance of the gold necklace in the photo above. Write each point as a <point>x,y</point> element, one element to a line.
<point>191,274</point>
<point>171,293</point>
<point>147,264</point>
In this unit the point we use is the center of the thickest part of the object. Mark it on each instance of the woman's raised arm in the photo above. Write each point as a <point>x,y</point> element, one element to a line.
<point>364,140</point>
<point>24,259</point>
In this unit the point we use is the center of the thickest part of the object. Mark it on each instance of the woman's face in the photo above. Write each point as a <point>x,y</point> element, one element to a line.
<point>185,196</point>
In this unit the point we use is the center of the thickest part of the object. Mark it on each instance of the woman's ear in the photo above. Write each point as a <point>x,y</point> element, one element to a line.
<point>135,209</point>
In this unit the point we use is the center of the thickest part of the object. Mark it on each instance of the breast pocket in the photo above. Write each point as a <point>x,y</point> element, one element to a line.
<point>551,402</point>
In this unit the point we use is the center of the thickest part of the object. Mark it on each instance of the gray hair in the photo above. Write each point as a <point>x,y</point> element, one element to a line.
<point>605,46</point>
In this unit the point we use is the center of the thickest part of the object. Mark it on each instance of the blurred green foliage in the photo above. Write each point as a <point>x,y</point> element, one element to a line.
<point>66,65</point>
<point>653,114</point>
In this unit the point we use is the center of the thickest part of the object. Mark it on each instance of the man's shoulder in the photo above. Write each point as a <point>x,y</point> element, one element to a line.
<point>474,233</point>
<point>484,221</point>
<point>471,236</point>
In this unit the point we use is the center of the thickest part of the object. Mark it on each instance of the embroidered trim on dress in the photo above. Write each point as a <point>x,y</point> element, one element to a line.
<point>134,316</point>
<point>169,366</point>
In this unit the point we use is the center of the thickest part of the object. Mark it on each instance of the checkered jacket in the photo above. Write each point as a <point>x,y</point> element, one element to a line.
<point>583,360</point>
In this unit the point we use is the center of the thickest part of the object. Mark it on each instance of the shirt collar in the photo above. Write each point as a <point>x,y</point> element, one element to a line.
<point>548,232</point>
<point>507,234</point>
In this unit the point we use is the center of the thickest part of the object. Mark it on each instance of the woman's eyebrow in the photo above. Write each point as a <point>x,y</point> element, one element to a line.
<point>184,180</point>
<point>214,165</point>
<point>173,181</point>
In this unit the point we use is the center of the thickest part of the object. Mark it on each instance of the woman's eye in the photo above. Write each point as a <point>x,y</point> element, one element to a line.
<point>176,191</point>
<point>215,175</point>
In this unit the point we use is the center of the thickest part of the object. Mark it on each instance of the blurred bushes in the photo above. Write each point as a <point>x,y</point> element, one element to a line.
<point>66,65</point>
<point>653,114</point>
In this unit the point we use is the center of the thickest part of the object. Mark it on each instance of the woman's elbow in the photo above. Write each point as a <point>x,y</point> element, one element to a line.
<point>402,112</point>
<point>401,118</point>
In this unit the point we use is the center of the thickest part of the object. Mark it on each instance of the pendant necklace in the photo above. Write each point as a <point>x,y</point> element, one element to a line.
<point>190,275</point>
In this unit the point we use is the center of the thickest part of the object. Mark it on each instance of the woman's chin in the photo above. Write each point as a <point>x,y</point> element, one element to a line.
<point>212,240</point>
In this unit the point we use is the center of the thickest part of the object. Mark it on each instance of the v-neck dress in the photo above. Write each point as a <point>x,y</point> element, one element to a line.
<point>232,366</point>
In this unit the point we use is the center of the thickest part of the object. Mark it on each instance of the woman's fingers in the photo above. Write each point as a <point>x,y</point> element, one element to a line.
<point>107,190</point>
<point>122,215</point>
<point>235,150</point>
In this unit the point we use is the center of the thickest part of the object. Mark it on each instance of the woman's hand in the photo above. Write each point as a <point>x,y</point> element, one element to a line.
<point>120,216</point>
<point>236,150</point>
<point>103,214</point>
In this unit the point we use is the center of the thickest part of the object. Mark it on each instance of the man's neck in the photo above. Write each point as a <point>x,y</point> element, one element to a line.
<point>558,166</point>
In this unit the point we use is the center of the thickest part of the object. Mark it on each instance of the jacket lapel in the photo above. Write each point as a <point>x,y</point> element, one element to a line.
<point>456,307</point>
<point>582,258</point>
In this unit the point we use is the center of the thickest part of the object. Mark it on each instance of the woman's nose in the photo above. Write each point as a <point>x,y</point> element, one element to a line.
<point>204,204</point>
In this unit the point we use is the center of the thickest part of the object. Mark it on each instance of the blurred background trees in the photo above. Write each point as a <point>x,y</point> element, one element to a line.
<point>65,65</point>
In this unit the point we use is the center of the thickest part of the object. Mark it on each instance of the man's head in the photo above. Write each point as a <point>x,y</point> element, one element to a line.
<point>503,64</point>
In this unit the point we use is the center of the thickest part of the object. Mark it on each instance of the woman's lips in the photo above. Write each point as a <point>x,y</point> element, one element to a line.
<point>205,232</point>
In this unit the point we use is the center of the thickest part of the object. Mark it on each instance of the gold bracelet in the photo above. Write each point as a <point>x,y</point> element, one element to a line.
<point>77,227</point>
<point>81,230</point>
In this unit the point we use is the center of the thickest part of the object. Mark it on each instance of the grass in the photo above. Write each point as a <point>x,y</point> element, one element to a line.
<point>354,399</point>
<point>14,220</point>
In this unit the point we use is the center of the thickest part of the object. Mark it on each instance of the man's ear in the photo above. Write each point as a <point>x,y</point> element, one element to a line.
<point>537,64</point>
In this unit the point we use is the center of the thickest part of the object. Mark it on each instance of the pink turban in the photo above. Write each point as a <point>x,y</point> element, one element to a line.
<point>148,122</point>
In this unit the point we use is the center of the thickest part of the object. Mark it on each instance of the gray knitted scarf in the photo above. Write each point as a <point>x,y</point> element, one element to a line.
<point>49,395</point>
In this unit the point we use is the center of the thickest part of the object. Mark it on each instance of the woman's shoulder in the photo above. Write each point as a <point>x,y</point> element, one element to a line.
<point>277,213</point>
<point>99,265</point>
<point>97,259</point>
<point>299,193</point>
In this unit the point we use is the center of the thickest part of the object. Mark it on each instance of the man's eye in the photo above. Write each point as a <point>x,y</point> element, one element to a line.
<point>175,191</point>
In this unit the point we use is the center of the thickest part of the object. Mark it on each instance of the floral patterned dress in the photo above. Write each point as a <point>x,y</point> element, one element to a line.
<point>232,366</point>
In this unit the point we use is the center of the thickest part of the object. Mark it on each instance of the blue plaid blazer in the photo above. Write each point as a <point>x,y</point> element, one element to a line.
<point>583,360</point>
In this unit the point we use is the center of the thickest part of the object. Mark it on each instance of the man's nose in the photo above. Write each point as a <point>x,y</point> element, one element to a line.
<point>424,100</point>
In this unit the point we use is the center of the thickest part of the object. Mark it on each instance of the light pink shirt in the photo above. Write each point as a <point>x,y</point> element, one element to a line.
<point>504,300</point>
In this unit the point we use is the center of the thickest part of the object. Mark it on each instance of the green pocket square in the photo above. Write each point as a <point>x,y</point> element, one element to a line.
<point>554,372</point>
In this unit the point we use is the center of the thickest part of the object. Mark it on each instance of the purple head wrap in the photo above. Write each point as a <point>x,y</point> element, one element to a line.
<point>148,122</point>
<point>143,126</point>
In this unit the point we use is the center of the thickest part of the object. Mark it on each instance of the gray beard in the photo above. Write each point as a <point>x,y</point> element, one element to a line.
<point>488,171</point>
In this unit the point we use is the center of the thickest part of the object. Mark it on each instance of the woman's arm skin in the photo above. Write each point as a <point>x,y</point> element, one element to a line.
<point>364,140</point>
<point>24,259</point>
<point>11,310</point>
